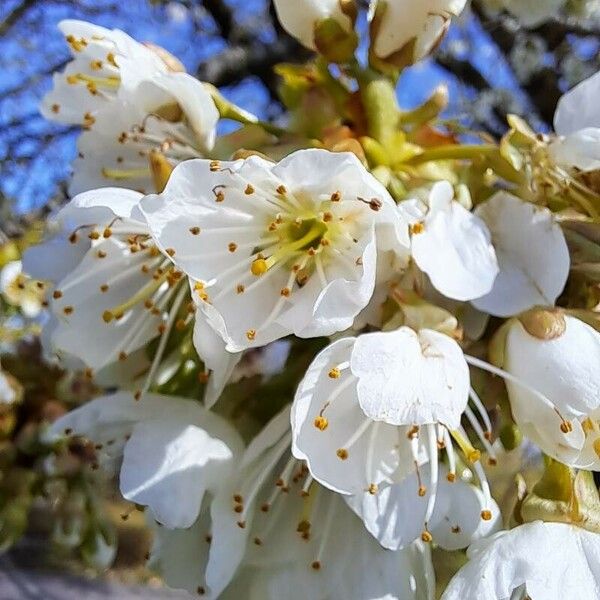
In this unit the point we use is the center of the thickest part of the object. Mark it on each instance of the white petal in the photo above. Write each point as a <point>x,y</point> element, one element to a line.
<point>552,560</point>
<point>211,349</point>
<point>532,254</point>
<point>578,108</point>
<point>579,150</point>
<point>169,459</point>
<point>455,248</point>
<point>370,458</point>
<point>121,271</point>
<point>405,378</point>
<point>564,370</point>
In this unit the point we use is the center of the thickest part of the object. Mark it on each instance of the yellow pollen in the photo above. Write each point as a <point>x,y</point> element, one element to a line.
<point>170,252</point>
<point>194,230</point>
<point>282,190</point>
<point>373,489</point>
<point>422,491</point>
<point>335,373</point>
<point>57,294</point>
<point>101,254</point>
<point>417,228</point>
<point>285,292</point>
<point>107,232</point>
<point>68,310</point>
<point>249,190</point>
<point>232,247</point>
<point>597,446</point>
<point>321,423</point>
<point>96,65</point>
<point>94,235</point>
<point>215,165</point>
<point>259,267</point>
<point>566,427</point>
<point>336,196</point>
<point>426,537</point>
<point>327,217</point>
<point>240,289</point>
<point>110,57</point>
<point>251,334</point>
<point>342,454</point>
<point>486,515</point>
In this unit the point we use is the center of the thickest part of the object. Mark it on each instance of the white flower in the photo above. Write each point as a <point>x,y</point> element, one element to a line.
<point>168,119</point>
<point>529,12</point>
<point>372,410</point>
<point>410,29</point>
<point>577,122</point>
<point>556,398</point>
<point>168,451</point>
<point>451,245</point>
<point>292,538</point>
<point>277,248</point>
<point>105,63</point>
<point>11,391</point>
<point>301,17</point>
<point>532,253</point>
<point>20,291</point>
<point>538,560</point>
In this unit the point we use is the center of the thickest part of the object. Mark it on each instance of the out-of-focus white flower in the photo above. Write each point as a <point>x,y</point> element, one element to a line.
<point>163,121</point>
<point>577,122</point>
<point>277,248</point>
<point>529,12</point>
<point>405,31</point>
<point>371,411</point>
<point>291,538</point>
<point>532,254</point>
<point>536,560</point>
<point>451,244</point>
<point>555,398</point>
<point>169,452</point>
<point>11,391</point>
<point>105,63</point>
<point>300,18</point>
<point>19,290</point>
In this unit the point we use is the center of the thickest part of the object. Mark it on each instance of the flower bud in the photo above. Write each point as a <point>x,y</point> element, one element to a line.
<point>543,323</point>
<point>405,31</point>
<point>320,24</point>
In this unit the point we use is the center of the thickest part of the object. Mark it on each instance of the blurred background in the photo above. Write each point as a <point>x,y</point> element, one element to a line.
<point>492,66</point>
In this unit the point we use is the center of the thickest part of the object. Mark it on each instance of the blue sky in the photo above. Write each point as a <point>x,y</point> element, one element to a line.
<point>35,46</point>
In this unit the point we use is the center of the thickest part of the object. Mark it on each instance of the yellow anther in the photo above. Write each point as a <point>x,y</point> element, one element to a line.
<point>597,446</point>
<point>286,292</point>
<point>321,423</point>
<point>251,334</point>
<point>259,267</point>
<point>282,190</point>
<point>232,247</point>
<point>96,65</point>
<point>486,515</point>
<point>249,190</point>
<point>451,477</point>
<point>417,228</point>
<point>110,57</point>
<point>422,491</point>
<point>335,373</point>
<point>336,196</point>
<point>373,489</point>
<point>566,427</point>
<point>426,537</point>
<point>195,230</point>
<point>342,454</point>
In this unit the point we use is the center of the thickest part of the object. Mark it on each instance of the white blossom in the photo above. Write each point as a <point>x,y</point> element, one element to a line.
<point>555,398</point>
<point>410,27</point>
<point>532,255</point>
<point>162,447</point>
<point>451,244</point>
<point>277,248</point>
<point>300,18</point>
<point>369,418</point>
<point>287,536</point>
<point>169,118</point>
<point>537,560</point>
<point>105,64</point>
<point>577,122</point>
<point>20,291</point>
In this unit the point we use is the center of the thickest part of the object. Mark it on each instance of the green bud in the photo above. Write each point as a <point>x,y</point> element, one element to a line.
<point>510,436</point>
<point>334,42</point>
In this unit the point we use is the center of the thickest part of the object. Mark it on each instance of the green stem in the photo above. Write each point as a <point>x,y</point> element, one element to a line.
<point>455,152</point>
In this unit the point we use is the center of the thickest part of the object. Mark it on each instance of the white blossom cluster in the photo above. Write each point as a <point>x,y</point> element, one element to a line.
<point>379,453</point>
